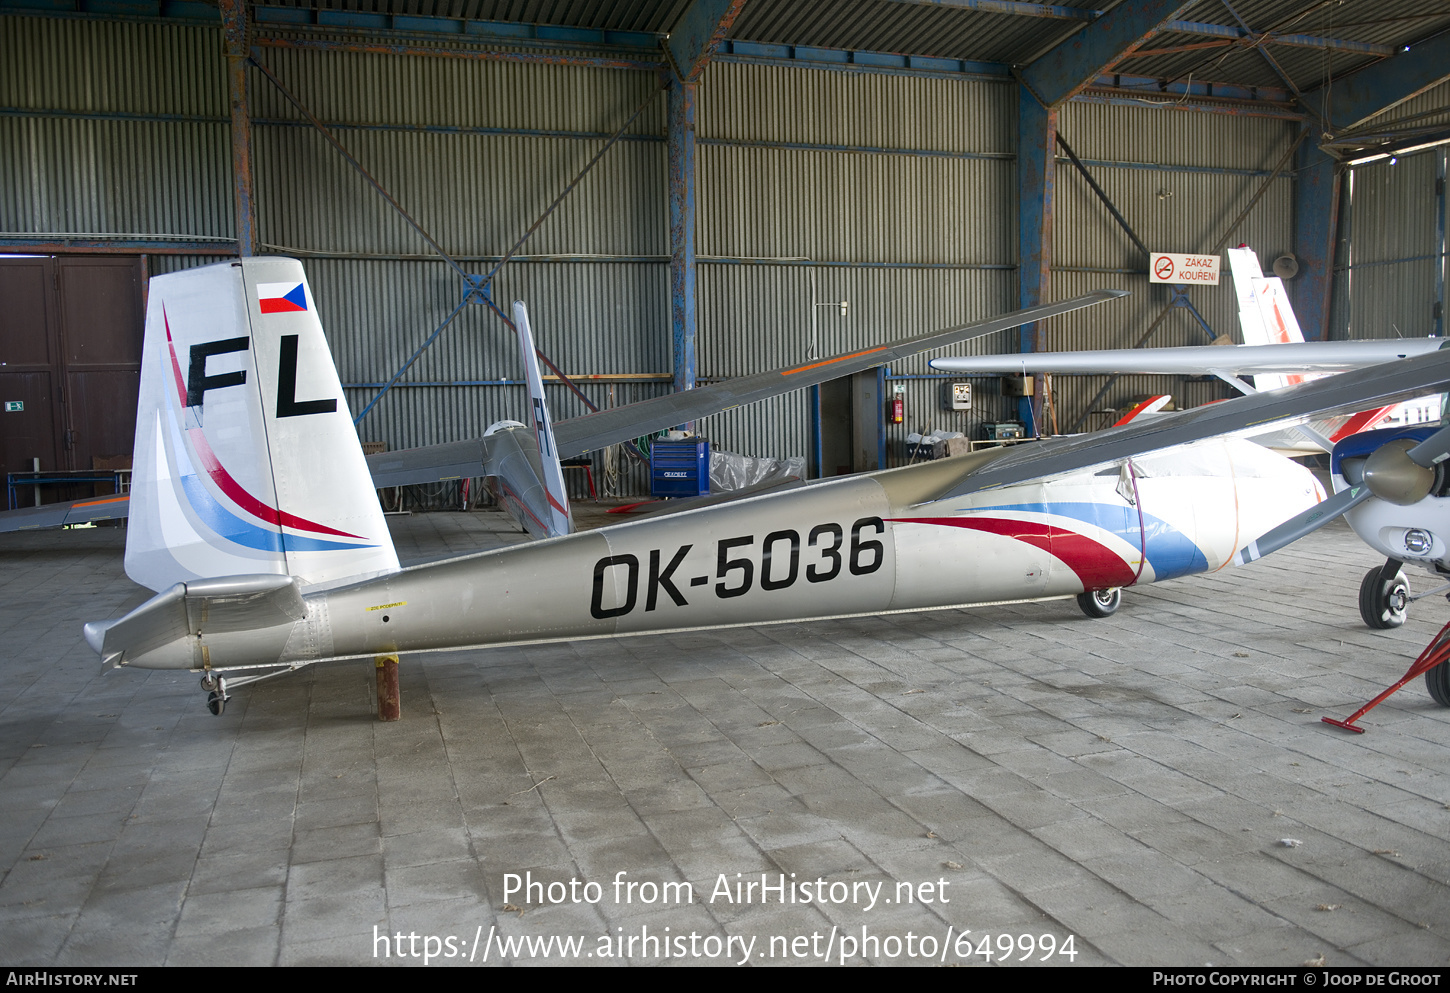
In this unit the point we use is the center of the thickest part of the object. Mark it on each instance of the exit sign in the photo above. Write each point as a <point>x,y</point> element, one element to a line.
<point>14,406</point>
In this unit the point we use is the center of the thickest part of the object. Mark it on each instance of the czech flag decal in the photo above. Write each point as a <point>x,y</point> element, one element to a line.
<point>282,298</point>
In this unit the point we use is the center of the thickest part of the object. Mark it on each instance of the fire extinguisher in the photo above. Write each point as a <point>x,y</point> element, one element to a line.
<point>898,408</point>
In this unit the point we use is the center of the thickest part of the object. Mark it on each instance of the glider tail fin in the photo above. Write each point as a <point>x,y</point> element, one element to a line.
<point>1267,318</point>
<point>246,460</point>
<point>558,518</point>
<point>1265,315</point>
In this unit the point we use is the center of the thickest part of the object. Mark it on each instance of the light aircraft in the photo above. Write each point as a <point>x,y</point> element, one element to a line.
<point>255,519</point>
<point>1390,485</point>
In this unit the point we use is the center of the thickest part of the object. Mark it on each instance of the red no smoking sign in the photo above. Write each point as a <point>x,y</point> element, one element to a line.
<point>1169,267</point>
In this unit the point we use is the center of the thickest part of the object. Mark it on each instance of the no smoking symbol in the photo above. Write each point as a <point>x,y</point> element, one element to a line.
<point>1163,267</point>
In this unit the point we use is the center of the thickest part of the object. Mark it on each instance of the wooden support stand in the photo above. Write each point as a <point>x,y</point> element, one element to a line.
<point>390,704</point>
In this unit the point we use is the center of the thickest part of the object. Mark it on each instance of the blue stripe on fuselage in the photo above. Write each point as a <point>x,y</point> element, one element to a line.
<point>1169,550</point>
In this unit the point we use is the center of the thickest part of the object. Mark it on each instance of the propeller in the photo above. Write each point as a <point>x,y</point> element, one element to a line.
<point>1399,472</point>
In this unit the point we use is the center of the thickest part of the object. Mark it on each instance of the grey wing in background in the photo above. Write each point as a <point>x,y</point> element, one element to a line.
<point>54,515</point>
<point>579,435</point>
<point>607,427</point>
<point>1193,360</point>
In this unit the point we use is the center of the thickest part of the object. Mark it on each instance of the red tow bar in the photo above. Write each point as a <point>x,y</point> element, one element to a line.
<point>1434,654</point>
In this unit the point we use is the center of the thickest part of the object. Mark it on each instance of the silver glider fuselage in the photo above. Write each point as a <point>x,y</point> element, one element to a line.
<point>866,544</point>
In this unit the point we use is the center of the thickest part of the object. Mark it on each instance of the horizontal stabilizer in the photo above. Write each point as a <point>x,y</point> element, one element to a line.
<point>174,616</point>
<point>432,464</point>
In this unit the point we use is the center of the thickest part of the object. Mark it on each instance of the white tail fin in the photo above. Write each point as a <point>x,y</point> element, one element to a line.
<point>1264,312</point>
<point>1267,318</point>
<point>246,461</point>
<point>559,519</point>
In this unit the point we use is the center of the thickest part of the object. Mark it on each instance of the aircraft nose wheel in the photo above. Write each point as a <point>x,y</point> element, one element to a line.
<point>1100,603</point>
<point>1383,603</point>
<point>216,697</point>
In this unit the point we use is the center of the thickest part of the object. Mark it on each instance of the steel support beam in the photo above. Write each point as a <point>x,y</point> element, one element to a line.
<point>700,28</point>
<point>234,23</point>
<point>630,61</point>
<point>1036,179</point>
<point>1316,223</point>
<point>1378,87</point>
<point>1094,49</point>
<point>682,229</point>
<point>1442,158</point>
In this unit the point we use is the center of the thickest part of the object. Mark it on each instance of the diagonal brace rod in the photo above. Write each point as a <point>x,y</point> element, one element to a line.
<point>321,129</point>
<point>1217,248</point>
<point>414,357</point>
<point>569,189</point>
<point>1123,223</point>
<point>476,287</point>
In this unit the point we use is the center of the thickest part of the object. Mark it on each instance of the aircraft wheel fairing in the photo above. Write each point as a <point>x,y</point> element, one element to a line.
<point>1100,603</point>
<point>1383,604</point>
<point>1437,681</point>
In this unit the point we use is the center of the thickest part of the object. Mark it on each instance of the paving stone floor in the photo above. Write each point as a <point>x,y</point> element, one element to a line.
<point>1126,782</point>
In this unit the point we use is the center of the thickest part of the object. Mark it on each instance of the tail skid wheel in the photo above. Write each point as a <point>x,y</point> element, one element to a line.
<point>1383,603</point>
<point>1100,603</point>
<point>216,698</point>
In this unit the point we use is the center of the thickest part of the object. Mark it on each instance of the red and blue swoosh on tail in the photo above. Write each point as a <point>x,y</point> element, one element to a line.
<point>1169,551</point>
<point>265,536</point>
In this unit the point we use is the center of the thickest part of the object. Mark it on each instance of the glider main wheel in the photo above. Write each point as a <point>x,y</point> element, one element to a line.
<point>1100,603</point>
<point>216,700</point>
<point>1383,604</point>
<point>1437,681</point>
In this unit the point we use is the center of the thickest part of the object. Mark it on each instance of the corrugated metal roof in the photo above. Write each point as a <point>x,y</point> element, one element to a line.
<point>915,29</point>
<point>943,30</point>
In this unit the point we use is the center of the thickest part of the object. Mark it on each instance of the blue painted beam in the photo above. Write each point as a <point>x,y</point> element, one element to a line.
<point>683,315</point>
<point>1070,66</point>
<point>700,28</point>
<point>1316,223</point>
<point>1378,87</point>
<point>1036,179</point>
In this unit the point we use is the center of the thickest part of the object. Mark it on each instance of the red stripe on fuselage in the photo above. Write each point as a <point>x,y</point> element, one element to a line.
<point>1097,566</point>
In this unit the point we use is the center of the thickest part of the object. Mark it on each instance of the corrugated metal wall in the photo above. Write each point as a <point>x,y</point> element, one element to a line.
<point>426,128</point>
<point>1179,179</point>
<point>1390,252</point>
<point>70,162</point>
<point>893,193</point>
